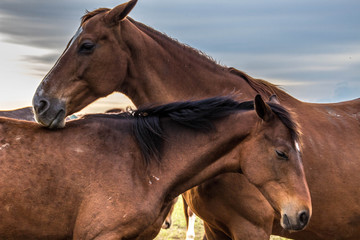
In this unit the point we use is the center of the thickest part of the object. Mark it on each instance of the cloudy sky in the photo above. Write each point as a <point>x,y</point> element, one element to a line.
<point>309,47</point>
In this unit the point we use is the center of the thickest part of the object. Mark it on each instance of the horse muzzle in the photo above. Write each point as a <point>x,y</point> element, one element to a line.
<point>295,222</point>
<point>166,224</point>
<point>49,112</point>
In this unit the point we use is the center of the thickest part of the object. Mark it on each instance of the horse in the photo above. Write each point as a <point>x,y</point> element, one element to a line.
<point>168,220</point>
<point>114,176</point>
<point>25,113</point>
<point>113,52</point>
<point>190,218</point>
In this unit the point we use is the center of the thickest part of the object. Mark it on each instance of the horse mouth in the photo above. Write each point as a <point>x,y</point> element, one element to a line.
<point>58,121</point>
<point>49,112</point>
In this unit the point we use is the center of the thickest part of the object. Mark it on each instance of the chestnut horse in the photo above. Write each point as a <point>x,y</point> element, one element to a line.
<point>111,52</point>
<point>113,176</point>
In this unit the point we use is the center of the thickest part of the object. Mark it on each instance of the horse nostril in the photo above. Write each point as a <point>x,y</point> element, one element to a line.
<point>42,106</point>
<point>286,221</point>
<point>303,218</point>
<point>166,225</point>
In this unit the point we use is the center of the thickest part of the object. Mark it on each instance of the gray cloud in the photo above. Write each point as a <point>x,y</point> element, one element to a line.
<point>43,24</point>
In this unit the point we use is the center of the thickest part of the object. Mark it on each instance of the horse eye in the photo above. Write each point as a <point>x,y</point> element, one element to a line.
<point>87,47</point>
<point>282,155</point>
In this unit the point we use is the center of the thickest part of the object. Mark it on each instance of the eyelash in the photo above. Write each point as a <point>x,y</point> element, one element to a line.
<point>282,155</point>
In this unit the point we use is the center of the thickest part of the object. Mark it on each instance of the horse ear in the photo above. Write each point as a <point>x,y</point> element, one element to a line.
<point>118,13</point>
<point>274,99</point>
<point>262,109</point>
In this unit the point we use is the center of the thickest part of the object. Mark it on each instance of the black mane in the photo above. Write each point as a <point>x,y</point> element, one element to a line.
<point>198,115</point>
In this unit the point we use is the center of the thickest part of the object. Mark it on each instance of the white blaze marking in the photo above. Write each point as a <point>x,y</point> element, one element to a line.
<point>297,146</point>
<point>78,32</point>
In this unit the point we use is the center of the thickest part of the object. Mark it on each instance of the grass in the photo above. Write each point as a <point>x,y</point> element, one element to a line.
<point>178,228</point>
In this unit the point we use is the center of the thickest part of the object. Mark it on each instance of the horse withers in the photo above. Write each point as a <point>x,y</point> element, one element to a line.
<point>114,176</point>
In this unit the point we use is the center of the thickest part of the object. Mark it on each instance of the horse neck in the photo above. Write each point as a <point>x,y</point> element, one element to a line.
<point>190,158</point>
<point>162,70</point>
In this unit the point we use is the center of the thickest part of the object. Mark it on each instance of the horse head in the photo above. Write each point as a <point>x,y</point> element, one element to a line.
<point>91,66</point>
<point>271,160</point>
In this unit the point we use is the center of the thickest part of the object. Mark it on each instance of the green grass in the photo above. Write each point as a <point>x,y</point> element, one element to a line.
<point>178,228</point>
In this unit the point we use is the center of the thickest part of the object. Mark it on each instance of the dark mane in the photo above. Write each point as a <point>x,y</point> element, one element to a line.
<point>287,118</point>
<point>198,115</point>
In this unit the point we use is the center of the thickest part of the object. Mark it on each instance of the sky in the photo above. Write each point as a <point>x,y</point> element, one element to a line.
<point>311,48</point>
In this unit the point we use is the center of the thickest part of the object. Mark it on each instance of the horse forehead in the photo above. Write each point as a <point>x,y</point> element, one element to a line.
<point>279,133</point>
<point>94,23</point>
<point>276,129</point>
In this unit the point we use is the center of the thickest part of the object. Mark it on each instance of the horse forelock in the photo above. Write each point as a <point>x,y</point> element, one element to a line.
<point>288,119</point>
<point>90,14</point>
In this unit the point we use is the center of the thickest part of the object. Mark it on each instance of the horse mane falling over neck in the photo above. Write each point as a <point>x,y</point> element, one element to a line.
<point>197,115</point>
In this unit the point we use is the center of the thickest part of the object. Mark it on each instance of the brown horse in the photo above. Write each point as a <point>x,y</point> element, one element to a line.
<point>112,52</point>
<point>114,176</point>
<point>25,113</point>
<point>168,220</point>
<point>190,218</point>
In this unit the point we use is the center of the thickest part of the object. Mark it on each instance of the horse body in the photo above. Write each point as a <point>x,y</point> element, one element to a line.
<point>45,184</point>
<point>152,68</point>
<point>89,180</point>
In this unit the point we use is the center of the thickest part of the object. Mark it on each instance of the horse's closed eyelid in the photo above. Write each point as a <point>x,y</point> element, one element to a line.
<point>87,47</point>
<point>282,155</point>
